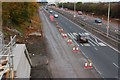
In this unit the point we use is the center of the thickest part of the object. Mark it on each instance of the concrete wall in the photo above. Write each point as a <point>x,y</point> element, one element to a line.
<point>21,65</point>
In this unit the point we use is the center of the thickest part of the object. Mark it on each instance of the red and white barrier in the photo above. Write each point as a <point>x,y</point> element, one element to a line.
<point>75,49</point>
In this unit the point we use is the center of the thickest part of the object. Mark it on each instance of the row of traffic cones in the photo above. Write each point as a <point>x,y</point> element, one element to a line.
<point>75,49</point>
<point>88,65</point>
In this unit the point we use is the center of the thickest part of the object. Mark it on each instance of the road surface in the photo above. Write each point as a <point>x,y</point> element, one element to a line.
<point>104,57</point>
<point>113,30</point>
<point>63,62</point>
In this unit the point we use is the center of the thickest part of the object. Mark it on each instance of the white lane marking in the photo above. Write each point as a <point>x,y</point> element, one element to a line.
<point>72,36</point>
<point>73,39</point>
<point>84,54</point>
<point>102,44</point>
<point>86,44</point>
<point>93,41</point>
<point>95,48</point>
<point>91,33</point>
<point>116,65</point>
<point>98,71</point>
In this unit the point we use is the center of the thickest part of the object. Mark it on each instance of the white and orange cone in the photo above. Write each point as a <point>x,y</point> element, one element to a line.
<point>69,41</point>
<point>86,65</point>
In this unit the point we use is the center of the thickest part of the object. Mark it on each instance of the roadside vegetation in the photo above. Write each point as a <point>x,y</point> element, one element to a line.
<point>95,8</point>
<point>23,19</point>
<point>17,16</point>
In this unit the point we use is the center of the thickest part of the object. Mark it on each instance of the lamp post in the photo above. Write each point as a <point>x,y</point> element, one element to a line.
<point>108,22</point>
<point>62,5</point>
<point>74,8</point>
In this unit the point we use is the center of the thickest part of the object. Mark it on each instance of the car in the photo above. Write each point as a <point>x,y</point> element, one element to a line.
<point>51,11</point>
<point>56,15</point>
<point>98,20</point>
<point>80,12</point>
<point>82,38</point>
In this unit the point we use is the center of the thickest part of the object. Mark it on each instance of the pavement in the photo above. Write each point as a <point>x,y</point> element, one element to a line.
<point>104,57</point>
<point>63,62</point>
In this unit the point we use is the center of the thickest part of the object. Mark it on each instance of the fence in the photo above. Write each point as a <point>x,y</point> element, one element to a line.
<point>6,57</point>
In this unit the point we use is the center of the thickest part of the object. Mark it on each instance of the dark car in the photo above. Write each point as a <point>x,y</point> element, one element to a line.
<point>82,38</point>
<point>98,20</point>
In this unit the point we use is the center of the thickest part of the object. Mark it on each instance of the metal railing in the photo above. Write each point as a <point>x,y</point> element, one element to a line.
<point>6,54</point>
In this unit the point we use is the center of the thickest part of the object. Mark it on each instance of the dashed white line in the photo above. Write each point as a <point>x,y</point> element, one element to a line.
<point>116,65</point>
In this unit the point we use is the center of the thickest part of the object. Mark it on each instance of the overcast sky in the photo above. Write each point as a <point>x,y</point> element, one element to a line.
<point>80,0</point>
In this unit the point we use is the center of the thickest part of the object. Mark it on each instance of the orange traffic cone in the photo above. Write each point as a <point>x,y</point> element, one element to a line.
<point>60,30</point>
<point>90,66</point>
<point>69,41</point>
<point>86,65</point>
<point>75,49</point>
<point>64,35</point>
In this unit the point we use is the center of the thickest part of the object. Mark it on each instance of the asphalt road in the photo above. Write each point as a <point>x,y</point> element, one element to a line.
<point>104,57</point>
<point>63,62</point>
<point>91,21</point>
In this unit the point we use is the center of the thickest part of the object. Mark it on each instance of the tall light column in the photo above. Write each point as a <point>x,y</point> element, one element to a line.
<point>108,22</point>
<point>74,8</point>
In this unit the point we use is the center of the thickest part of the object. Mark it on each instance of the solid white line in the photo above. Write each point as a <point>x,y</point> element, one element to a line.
<point>84,54</point>
<point>90,33</point>
<point>98,71</point>
<point>116,65</point>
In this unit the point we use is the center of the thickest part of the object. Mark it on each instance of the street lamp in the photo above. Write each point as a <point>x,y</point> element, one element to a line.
<point>62,5</point>
<point>74,9</point>
<point>108,23</point>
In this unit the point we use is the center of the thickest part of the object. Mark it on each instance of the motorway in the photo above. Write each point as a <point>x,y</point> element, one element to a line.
<point>102,27</point>
<point>63,63</point>
<point>104,57</point>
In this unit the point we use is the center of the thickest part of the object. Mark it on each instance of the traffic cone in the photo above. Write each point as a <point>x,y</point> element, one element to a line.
<point>69,41</point>
<point>57,26</point>
<point>65,35</point>
<point>86,65</point>
<point>77,49</point>
<point>73,49</point>
<point>60,30</point>
<point>90,65</point>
